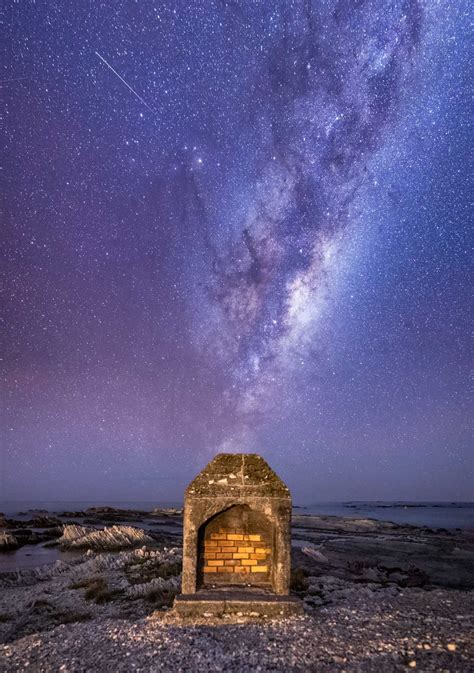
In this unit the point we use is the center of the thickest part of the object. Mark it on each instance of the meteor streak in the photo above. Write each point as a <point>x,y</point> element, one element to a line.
<point>12,79</point>
<point>126,84</point>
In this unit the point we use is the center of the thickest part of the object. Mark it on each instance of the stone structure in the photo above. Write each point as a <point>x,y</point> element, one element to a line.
<point>236,540</point>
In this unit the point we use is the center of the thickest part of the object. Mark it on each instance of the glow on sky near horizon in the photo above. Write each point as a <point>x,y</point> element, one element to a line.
<point>237,226</point>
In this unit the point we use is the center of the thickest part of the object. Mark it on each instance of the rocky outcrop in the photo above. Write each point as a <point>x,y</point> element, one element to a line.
<point>8,541</point>
<point>109,539</point>
<point>91,586</point>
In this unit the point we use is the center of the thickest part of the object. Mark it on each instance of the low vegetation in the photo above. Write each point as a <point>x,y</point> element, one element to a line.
<point>97,590</point>
<point>298,581</point>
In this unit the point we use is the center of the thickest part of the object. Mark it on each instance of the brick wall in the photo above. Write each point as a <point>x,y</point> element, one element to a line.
<point>236,554</point>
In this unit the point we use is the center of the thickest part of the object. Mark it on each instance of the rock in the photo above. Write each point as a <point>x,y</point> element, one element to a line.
<point>155,585</point>
<point>44,522</point>
<point>7,542</point>
<point>452,647</point>
<point>115,514</point>
<point>108,539</point>
<point>373,575</point>
<point>313,601</point>
<point>315,554</point>
<point>167,511</point>
<point>72,515</point>
<point>398,578</point>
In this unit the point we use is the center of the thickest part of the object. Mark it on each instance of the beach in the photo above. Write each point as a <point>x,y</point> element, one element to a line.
<point>377,596</point>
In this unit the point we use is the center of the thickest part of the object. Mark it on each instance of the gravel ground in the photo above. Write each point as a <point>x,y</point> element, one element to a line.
<point>417,629</point>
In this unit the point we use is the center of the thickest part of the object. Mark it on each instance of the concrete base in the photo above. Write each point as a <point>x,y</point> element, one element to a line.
<point>245,603</point>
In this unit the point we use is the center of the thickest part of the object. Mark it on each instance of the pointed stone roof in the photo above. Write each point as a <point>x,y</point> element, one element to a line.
<point>242,474</point>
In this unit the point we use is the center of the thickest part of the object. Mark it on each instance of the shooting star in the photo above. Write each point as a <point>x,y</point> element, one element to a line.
<point>126,84</point>
<point>12,79</point>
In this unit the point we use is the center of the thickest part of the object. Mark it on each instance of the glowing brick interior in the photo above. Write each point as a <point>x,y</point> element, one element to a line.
<point>236,548</point>
<point>234,552</point>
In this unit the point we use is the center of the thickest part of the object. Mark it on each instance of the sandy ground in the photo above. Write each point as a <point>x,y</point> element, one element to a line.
<point>416,629</point>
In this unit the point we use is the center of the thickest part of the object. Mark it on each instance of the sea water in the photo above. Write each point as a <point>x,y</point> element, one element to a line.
<point>432,514</point>
<point>448,515</point>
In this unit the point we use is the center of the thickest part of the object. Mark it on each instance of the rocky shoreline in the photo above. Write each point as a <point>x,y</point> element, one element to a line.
<point>377,597</point>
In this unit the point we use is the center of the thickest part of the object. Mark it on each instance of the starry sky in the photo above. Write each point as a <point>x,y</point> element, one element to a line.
<point>236,225</point>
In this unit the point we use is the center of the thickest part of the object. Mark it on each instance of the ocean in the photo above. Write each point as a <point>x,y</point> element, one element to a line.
<point>448,515</point>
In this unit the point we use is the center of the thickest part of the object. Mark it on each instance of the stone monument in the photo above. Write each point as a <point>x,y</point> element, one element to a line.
<point>236,540</point>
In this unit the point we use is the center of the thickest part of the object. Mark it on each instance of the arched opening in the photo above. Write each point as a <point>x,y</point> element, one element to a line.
<point>236,547</point>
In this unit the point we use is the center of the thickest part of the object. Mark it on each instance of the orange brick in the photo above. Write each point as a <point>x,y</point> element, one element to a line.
<point>259,569</point>
<point>227,543</point>
<point>249,562</point>
<point>241,569</point>
<point>240,555</point>
<point>215,563</point>
<point>224,570</point>
<point>224,555</point>
<point>232,562</point>
<point>210,543</point>
<point>209,570</point>
<point>259,557</point>
<point>263,550</point>
<point>255,538</point>
<point>208,554</point>
<point>245,550</point>
<point>235,536</point>
<point>218,536</point>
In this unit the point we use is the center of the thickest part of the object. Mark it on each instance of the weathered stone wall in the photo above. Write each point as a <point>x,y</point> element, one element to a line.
<point>246,481</point>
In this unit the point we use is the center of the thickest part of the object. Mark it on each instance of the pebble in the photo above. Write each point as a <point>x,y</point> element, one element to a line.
<point>374,640</point>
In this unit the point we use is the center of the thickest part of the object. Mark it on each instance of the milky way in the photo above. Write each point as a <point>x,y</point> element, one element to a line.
<point>331,87</point>
<point>237,226</point>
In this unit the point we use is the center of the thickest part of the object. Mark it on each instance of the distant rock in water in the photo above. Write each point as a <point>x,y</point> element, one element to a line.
<point>108,539</point>
<point>166,511</point>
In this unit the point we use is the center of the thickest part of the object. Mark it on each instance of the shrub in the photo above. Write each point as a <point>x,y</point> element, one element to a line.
<point>298,581</point>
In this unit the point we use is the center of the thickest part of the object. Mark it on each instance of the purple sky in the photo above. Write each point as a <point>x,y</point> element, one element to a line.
<point>236,226</point>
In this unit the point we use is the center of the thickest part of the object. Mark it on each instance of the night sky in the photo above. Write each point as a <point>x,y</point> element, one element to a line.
<point>236,226</point>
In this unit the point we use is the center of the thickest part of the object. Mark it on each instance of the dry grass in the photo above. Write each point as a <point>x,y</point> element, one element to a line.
<point>96,589</point>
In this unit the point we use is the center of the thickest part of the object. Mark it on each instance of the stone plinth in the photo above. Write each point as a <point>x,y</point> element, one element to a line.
<point>245,603</point>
